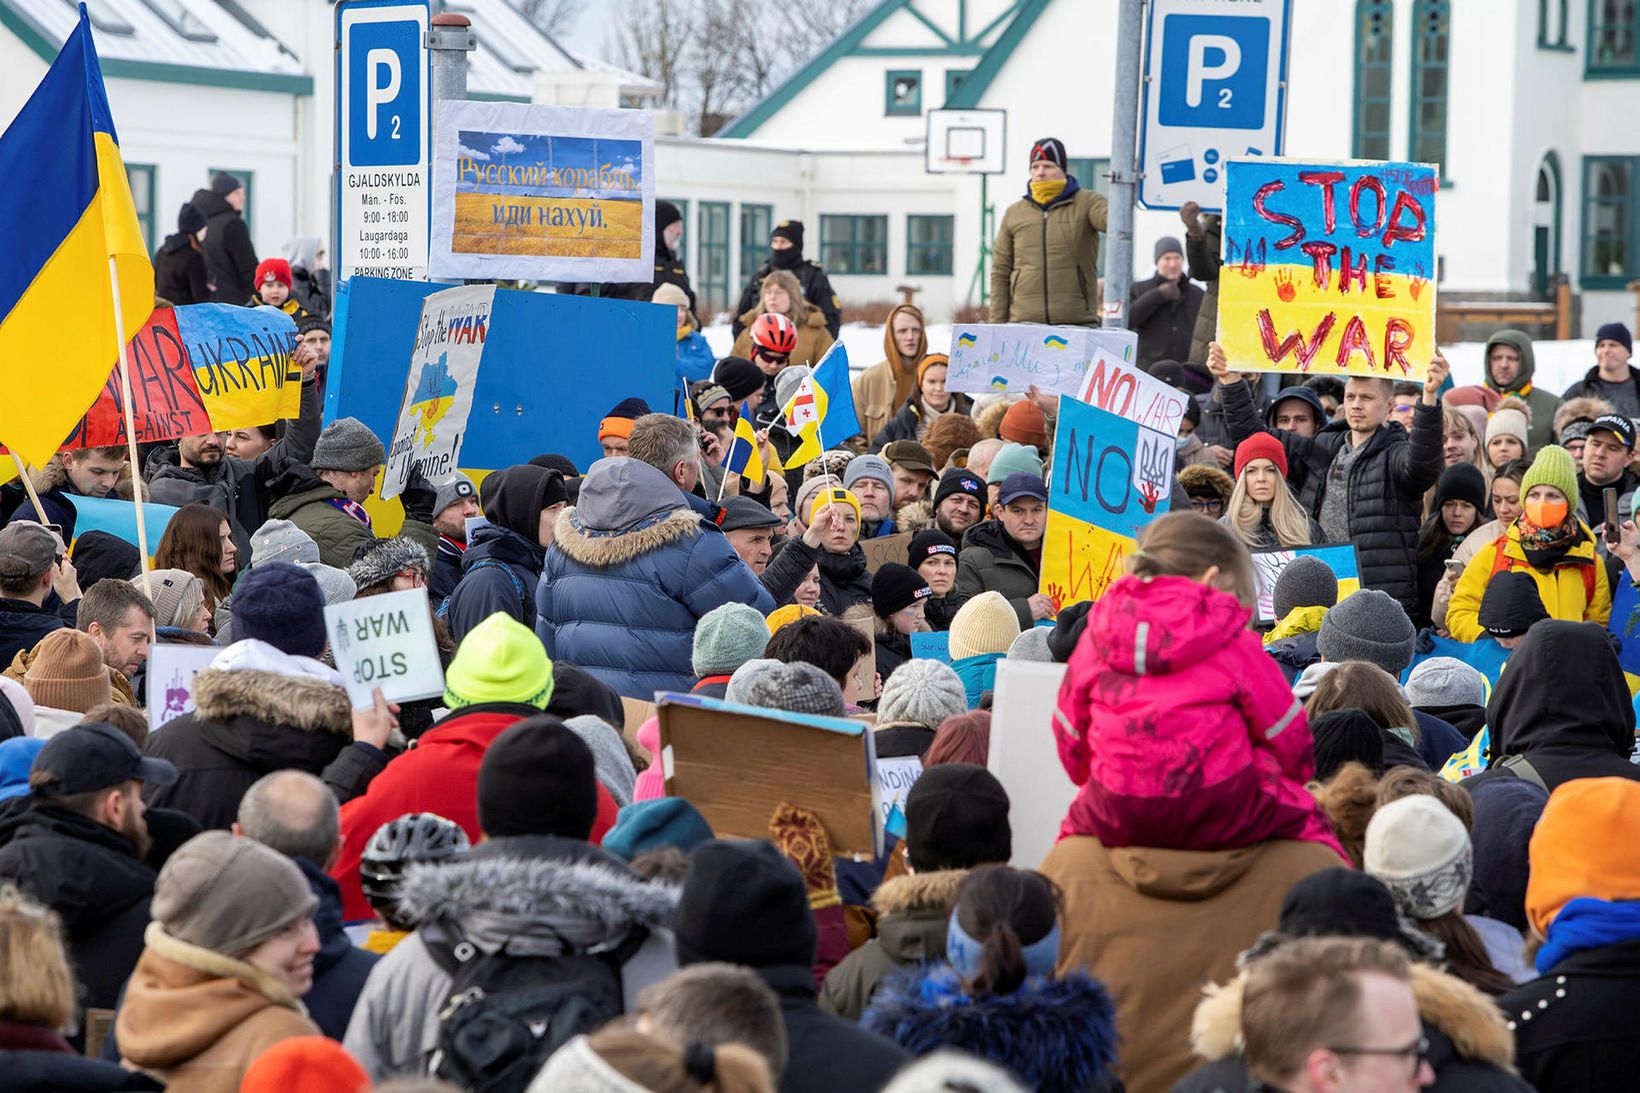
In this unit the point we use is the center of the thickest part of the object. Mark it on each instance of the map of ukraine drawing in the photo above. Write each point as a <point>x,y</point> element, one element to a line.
<point>435,392</point>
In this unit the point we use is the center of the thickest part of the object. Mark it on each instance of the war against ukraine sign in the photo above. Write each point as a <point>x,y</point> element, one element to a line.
<point>438,389</point>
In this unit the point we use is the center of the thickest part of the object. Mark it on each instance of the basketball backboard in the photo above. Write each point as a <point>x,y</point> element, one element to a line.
<point>966,142</point>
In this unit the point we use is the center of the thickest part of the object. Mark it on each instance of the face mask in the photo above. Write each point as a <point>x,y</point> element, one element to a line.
<point>1179,442</point>
<point>1546,514</point>
<point>1046,189</point>
<point>785,259</point>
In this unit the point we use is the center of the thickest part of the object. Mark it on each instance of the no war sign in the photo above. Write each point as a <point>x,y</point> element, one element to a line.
<point>386,641</point>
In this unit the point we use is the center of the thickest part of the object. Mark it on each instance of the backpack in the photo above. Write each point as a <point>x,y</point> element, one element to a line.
<point>526,606</point>
<point>506,1014</point>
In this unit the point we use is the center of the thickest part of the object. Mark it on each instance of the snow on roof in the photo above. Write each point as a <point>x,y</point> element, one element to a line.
<point>190,33</point>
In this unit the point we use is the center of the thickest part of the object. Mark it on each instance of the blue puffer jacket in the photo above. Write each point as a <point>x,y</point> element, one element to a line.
<point>978,675</point>
<point>631,570</point>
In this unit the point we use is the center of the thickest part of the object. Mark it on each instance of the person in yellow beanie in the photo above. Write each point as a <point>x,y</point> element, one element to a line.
<point>500,675</point>
<point>831,541</point>
<point>1574,1025</point>
<point>981,633</point>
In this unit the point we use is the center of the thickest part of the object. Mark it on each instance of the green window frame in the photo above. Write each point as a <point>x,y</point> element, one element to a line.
<point>1431,51</point>
<point>902,92</point>
<point>1374,77</point>
<point>683,214</point>
<point>1611,222</point>
<point>929,244</point>
<point>141,177</point>
<point>248,179</point>
<point>953,80</point>
<point>854,243</point>
<point>713,244</point>
<point>756,222</point>
<point>1614,29</point>
<point>1553,25</point>
<point>1092,173</point>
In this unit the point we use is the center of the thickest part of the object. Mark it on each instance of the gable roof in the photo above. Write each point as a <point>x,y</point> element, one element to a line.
<point>512,49</point>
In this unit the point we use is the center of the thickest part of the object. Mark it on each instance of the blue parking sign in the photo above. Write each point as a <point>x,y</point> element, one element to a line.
<point>1213,70</point>
<point>384,80</point>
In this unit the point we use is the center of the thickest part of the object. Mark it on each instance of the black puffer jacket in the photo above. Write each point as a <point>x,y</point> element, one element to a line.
<point>89,874</point>
<point>1387,485</point>
<point>230,259</point>
<point>844,580</point>
<point>179,271</point>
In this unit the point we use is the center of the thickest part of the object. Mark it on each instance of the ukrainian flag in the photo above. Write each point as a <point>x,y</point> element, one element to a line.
<point>72,230</point>
<point>742,457</point>
<point>824,403</point>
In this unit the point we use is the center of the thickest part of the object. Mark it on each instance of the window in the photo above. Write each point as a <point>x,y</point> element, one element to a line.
<point>929,241</point>
<point>903,92</point>
<point>1431,39</point>
<point>953,80</point>
<point>103,21</point>
<point>1611,228</point>
<point>176,15</point>
<point>141,177</point>
<point>1374,64</point>
<point>1613,25</point>
<point>854,244</point>
<point>1091,174</point>
<point>1546,224</point>
<point>1552,25</point>
<point>683,214</point>
<point>756,221</point>
<point>714,255</point>
<point>246,179</point>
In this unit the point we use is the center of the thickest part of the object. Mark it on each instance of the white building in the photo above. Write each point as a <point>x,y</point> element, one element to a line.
<point>1528,105</point>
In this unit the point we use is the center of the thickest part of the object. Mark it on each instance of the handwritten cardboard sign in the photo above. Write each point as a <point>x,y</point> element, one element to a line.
<point>438,389</point>
<point>242,361</point>
<point>1329,267</point>
<point>888,548</point>
<point>895,777</point>
<point>1269,564</point>
<point>1118,386</point>
<point>1001,357</point>
<point>171,671</point>
<point>931,645</point>
<point>386,641</point>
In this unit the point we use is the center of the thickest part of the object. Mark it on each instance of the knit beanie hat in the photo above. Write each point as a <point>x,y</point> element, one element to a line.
<point>334,584</point>
<point>790,613</point>
<point>787,381</point>
<point>228,894</point>
<point>895,587</point>
<point>738,376</point>
<point>926,544</point>
<point>1507,422</point>
<point>960,480</point>
<point>1068,626</point>
<point>1340,902</point>
<point>791,231</point>
<point>1024,423</point>
<point>797,687</point>
<point>650,825</point>
<point>612,763</point>
<point>577,1067</point>
<point>1051,149</point>
<point>305,1064</point>
<point>1032,645</point>
<point>744,902</point>
<point>273,269</point>
<point>1261,446</point>
<point>986,624</point>
<point>1421,852</point>
<point>1552,466</point>
<point>1506,812</point>
<point>1346,735</point>
<point>280,604</point>
<point>1583,846</point>
<point>1306,581</point>
<point>347,444</point>
<point>380,560</point>
<point>743,677</point>
<point>457,487</point>
<point>921,692</point>
<point>500,660</point>
<point>1615,332</point>
<point>1511,605</point>
<point>669,293</point>
<point>537,778</point>
<point>1462,482</point>
<point>189,219</point>
<point>1167,244</point>
<point>1369,625</point>
<point>282,541</point>
<point>618,422</point>
<point>727,637</point>
<point>223,183</point>
<point>67,672</point>
<point>97,554</point>
<point>1445,681</point>
<point>1014,459</point>
<point>832,496</point>
<point>930,361</point>
<point>869,466</point>
<point>956,817</point>
<point>177,596</point>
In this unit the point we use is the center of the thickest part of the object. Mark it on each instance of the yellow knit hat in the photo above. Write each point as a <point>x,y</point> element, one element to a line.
<point>780,616</point>
<point>500,660</point>
<point>835,495</point>
<point>985,624</point>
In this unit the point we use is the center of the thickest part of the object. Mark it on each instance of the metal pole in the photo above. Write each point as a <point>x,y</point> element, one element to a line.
<point>449,39</point>
<point>1124,176</point>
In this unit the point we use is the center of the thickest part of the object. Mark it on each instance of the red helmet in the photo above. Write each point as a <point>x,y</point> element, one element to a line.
<point>774,333</point>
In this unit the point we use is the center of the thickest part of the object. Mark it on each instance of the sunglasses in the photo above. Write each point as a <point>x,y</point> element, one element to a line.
<point>772,358</point>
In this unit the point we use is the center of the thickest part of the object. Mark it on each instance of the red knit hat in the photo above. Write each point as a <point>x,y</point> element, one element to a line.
<point>305,1064</point>
<point>1024,424</point>
<point>1261,446</point>
<point>276,268</point>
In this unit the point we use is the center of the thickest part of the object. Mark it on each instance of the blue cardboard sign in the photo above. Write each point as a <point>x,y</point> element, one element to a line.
<point>1109,471</point>
<point>932,645</point>
<point>1625,623</point>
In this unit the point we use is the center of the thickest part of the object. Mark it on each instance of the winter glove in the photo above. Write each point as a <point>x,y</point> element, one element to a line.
<point>802,837</point>
<point>1169,290</point>
<point>418,497</point>
<point>1191,214</point>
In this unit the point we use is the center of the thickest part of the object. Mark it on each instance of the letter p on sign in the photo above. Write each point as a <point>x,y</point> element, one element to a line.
<point>1227,59</point>
<point>384,78</point>
<point>1214,70</point>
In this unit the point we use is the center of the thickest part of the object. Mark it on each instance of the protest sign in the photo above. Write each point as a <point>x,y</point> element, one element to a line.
<point>634,712</point>
<point>119,518</point>
<point>1329,268</point>
<point>543,193</point>
<point>385,641</point>
<point>932,645</point>
<point>889,548</point>
<point>736,764</point>
<point>1625,624</point>
<point>864,673</point>
<point>1025,757</point>
<point>1000,357</point>
<point>1268,564</point>
<point>242,363</point>
<point>438,389</point>
<point>1118,386</point>
<point>171,670</point>
<point>895,777</point>
<point>165,401</point>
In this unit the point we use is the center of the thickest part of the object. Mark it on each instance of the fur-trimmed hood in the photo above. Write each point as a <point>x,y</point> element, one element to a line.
<point>1463,1014</point>
<point>295,702</point>
<point>914,516</point>
<point>918,892</point>
<point>625,508</point>
<point>537,894</point>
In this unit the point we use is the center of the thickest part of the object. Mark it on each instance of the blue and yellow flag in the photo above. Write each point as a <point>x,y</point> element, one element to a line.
<point>742,457</point>
<point>824,403</point>
<point>71,231</point>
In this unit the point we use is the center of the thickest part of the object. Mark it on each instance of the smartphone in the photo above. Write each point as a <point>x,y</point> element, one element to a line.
<point>1455,567</point>
<point>1614,526</point>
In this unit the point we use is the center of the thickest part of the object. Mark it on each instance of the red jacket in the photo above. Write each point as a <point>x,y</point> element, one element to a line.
<point>438,775</point>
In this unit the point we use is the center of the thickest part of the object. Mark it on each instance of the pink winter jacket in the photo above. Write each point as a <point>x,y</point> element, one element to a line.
<point>1180,729</point>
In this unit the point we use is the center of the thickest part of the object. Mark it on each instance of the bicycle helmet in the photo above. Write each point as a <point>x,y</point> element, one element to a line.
<point>413,837</point>
<point>774,333</point>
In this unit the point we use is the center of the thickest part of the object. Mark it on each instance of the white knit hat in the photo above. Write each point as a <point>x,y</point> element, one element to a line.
<point>1421,852</point>
<point>922,692</point>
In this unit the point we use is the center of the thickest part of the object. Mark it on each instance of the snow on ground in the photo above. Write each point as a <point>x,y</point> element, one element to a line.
<point>1559,364</point>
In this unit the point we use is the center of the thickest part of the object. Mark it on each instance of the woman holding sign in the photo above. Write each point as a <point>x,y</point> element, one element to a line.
<point>1262,510</point>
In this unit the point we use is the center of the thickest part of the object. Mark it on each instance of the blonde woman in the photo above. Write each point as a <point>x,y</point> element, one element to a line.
<point>782,295</point>
<point>1262,511</point>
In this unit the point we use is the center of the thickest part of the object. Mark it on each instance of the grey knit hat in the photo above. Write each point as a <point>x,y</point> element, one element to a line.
<point>334,584</point>
<point>869,466</point>
<point>743,677</point>
<point>178,595</point>
<point>1368,625</point>
<point>612,763</point>
<point>1032,644</point>
<point>922,692</point>
<point>282,541</point>
<point>786,382</point>
<point>1306,582</point>
<point>1422,853</point>
<point>379,561</point>
<point>347,444</point>
<point>727,637</point>
<point>228,894</point>
<point>455,488</point>
<point>798,687</point>
<point>1445,681</point>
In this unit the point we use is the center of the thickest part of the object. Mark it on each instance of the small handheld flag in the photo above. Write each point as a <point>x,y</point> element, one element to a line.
<point>742,457</point>
<point>823,399</point>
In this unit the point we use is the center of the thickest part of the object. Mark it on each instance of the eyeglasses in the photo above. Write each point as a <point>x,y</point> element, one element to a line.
<point>1207,507</point>
<point>1416,1052</point>
<point>772,358</point>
